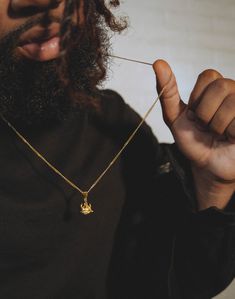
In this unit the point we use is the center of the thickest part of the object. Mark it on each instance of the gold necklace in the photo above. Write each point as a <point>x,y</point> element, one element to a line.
<point>86,207</point>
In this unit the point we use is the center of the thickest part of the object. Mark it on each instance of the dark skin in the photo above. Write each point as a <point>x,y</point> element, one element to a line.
<point>204,129</point>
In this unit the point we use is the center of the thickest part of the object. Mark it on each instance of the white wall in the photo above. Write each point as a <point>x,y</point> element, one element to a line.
<point>192,35</point>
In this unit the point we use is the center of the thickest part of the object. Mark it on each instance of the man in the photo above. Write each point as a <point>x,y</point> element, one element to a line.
<point>163,218</point>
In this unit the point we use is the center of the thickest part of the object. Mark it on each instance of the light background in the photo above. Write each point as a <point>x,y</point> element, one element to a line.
<point>192,35</point>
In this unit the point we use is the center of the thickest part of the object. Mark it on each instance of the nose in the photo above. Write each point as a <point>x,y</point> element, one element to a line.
<point>34,5</point>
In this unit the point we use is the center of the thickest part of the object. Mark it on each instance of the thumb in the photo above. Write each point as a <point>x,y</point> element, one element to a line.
<point>172,105</point>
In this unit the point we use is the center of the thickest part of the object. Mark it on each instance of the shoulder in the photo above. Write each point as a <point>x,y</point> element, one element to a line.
<point>115,110</point>
<point>112,105</point>
<point>118,117</point>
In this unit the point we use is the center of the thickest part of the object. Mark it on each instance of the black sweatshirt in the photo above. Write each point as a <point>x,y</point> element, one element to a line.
<point>144,239</point>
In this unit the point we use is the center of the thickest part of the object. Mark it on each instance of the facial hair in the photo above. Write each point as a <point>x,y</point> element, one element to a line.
<point>31,92</point>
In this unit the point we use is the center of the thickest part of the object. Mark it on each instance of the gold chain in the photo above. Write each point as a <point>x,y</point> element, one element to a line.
<point>85,206</point>
<point>131,60</point>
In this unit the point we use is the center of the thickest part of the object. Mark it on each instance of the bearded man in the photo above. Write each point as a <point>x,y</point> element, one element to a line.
<point>159,222</point>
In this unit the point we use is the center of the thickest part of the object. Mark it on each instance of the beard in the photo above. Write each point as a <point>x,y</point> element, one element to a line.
<point>32,93</point>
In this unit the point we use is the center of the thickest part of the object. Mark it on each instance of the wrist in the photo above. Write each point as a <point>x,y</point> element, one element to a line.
<point>211,191</point>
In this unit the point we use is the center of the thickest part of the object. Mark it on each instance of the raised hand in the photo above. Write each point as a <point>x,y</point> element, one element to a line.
<point>204,131</point>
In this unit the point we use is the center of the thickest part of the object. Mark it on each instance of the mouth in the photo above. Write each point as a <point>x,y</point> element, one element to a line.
<point>40,44</point>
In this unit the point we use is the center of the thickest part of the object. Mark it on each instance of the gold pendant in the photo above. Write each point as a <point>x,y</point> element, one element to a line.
<point>86,208</point>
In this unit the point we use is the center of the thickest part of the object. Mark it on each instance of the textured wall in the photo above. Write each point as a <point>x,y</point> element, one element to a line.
<point>192,35</point>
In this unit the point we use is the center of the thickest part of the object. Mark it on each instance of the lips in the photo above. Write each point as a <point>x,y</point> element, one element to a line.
<point>40,44</point>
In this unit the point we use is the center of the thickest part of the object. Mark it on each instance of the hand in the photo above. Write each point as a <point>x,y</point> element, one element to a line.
<point>204,131</point>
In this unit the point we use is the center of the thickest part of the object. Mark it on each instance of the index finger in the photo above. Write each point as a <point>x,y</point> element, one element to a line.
<point>204,79</point>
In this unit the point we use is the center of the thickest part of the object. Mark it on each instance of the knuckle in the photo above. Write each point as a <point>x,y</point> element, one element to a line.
<point>216,127</point>
<point>230,131</point>
<point>230,134</point>
<point>170,92</point>
<point>210,74</point>
<point>202,115</point>
<point>230,102</point>
<point>221,84</point>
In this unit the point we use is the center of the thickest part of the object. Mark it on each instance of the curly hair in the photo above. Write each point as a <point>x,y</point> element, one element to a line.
<point>91,31</point>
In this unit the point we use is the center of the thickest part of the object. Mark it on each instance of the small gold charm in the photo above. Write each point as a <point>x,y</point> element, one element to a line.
<point>86,207</point>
